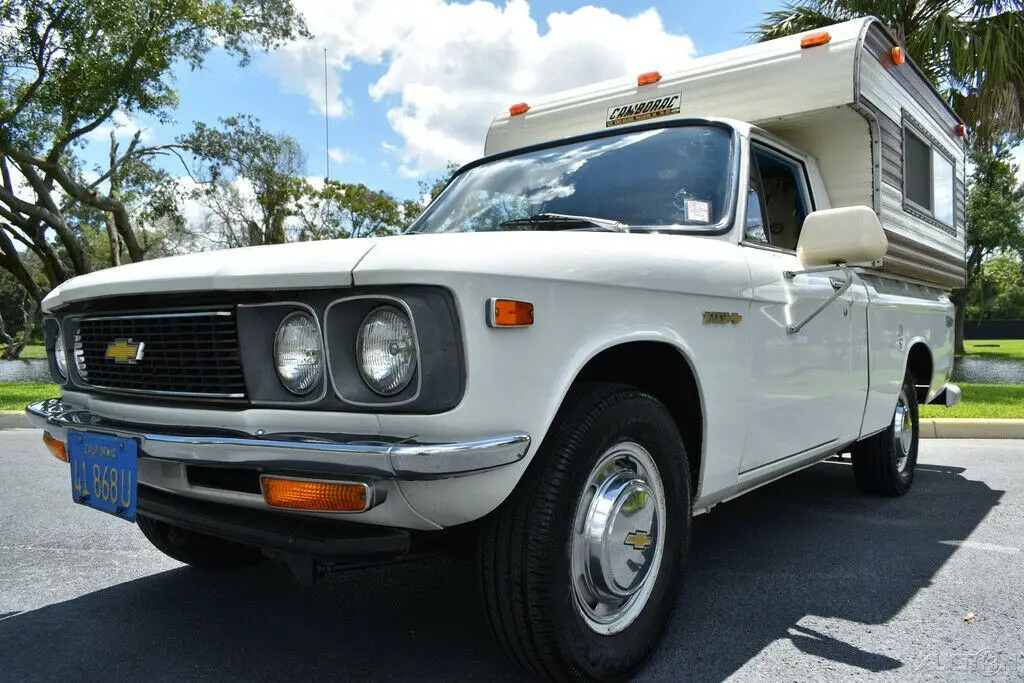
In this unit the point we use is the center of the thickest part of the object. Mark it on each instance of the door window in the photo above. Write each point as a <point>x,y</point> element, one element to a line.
<point>784,199</point>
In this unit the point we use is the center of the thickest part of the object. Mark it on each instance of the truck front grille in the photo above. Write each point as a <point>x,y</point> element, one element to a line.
<point>190,354</point>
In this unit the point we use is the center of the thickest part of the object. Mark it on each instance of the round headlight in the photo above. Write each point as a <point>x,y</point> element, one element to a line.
<point>61,355</point>
<point>298,353</point>
<point>386,350</point>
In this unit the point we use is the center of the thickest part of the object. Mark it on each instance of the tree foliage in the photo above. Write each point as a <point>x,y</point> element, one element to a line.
<point>344,210</point>
<point>66,68</point>
<point>249,179</point>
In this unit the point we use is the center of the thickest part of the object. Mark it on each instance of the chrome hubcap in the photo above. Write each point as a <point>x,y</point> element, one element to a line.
<point>903,432</point>
<point>618,538</point>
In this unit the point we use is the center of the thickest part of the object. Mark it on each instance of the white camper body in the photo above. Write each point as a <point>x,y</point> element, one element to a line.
<point>882,137</point>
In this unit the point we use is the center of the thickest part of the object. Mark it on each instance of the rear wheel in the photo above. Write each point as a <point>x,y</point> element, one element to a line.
<point>581,568</point>
<point>884,464</point>
<point>192,547</point>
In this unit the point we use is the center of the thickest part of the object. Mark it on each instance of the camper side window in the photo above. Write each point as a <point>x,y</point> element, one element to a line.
<point>927,177</point>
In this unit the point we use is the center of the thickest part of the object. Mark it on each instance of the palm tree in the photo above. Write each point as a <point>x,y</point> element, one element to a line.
<point>973,52</point>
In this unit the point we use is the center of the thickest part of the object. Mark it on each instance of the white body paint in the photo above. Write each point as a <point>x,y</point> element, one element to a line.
<point>772,401</point>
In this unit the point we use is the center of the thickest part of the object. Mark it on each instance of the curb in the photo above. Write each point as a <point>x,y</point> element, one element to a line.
<point>971,428</point>
<point>13,419</point>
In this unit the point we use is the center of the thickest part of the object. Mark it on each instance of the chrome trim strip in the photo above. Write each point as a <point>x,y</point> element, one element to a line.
<point>158,392</point>
<point>383,403</point>
<point>141,316</point>
<point>325,454</point>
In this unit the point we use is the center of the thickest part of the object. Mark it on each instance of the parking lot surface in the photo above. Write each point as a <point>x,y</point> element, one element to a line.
<point>803,579</point>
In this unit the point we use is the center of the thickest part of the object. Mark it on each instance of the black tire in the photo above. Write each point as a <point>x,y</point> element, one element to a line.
<point>876,460</point>
<point>194,548</point>
<point>524,563</point>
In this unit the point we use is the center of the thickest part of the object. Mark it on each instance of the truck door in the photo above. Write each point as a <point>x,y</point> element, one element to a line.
<point>800,380</point>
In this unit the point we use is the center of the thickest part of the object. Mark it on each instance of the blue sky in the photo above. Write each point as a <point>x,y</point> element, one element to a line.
<point>408,57</point>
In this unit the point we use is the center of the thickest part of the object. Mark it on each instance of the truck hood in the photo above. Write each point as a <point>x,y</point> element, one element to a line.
<point>298,265</point>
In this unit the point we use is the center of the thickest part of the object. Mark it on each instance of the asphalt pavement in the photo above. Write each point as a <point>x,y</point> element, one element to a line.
<point>803,579</point>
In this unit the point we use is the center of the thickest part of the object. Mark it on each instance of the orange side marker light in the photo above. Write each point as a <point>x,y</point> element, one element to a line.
<point>56,446</point>
<point>517,109</point>
<point>510,313</point>
<point>898,57</point>
<point>648,77</point>
<point>815,39</point>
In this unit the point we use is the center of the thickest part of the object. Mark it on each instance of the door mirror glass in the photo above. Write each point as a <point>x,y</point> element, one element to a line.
<point>851,234</point>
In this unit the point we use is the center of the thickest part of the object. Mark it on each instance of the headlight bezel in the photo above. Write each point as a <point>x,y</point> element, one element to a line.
<point>321,364</point>
<point>404,314</point>
<point>439,382</point>
<point>60,356</point>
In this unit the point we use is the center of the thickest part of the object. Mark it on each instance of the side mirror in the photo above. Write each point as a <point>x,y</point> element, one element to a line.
<point>850,234</point>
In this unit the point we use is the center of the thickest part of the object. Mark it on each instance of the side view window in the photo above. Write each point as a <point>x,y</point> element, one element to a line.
<point>785,203</point>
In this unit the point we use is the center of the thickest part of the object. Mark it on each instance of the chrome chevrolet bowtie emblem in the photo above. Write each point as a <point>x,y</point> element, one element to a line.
<point>125,351</point>
<point>638,540</point>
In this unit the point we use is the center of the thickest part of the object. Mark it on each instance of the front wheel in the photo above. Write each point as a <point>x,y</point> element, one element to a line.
<point>884,464</point>
<point>580,570</point>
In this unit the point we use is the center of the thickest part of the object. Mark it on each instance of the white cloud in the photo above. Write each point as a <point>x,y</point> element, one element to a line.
<point>449,67</point>
<point>124,126</point>
<point>342,156</point>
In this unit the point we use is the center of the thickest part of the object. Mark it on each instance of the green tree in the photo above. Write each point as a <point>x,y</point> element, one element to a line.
<point>66,68</point>
<point>344,210</point>
<point>271,164</point>
<point>995,216</point>
<point>999,289</point>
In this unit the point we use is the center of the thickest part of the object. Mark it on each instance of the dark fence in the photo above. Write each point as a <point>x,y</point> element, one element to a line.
<point>994,329</point>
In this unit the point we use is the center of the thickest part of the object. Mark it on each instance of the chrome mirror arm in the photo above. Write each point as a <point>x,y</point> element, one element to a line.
<point>838,291</point>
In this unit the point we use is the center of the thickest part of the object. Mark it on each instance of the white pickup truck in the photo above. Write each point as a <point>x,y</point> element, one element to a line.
<point>649,297</point>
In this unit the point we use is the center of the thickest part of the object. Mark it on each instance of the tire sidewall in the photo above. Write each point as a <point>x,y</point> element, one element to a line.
<point>641,419</point>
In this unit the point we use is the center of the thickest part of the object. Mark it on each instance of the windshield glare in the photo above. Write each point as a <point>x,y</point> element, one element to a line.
<point>677,176</point>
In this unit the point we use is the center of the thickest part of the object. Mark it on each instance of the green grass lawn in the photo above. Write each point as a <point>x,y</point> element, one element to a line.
<point>984,401</point>
<point>30,352</point>
<point>17,395</point>
<point>996,348</point>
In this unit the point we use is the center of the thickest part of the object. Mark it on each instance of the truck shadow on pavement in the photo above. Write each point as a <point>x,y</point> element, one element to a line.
<point>806,546</point>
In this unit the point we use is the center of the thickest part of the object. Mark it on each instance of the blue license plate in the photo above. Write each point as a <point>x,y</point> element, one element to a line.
<point>104,472</point>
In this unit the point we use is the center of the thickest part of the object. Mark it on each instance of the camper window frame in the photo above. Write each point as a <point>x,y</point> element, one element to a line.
<point>909,123</point>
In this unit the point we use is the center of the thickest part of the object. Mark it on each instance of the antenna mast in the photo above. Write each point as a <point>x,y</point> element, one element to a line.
<point>327,131</point>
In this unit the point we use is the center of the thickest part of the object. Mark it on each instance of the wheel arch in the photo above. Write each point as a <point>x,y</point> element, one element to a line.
<point>676,384</point>
<point>920,364</point>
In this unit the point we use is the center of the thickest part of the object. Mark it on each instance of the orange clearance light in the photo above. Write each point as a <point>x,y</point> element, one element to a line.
<point>961,130</point>
<point>517,109</point>
<point>56,446</point>
<point>307,494</point>
<point>815,39</point>
<point>897,55</point>
<point>648,78</point>
<point>510,313</point>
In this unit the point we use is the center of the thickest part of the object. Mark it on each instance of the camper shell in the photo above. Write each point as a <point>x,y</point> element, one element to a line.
<point>848,96</point>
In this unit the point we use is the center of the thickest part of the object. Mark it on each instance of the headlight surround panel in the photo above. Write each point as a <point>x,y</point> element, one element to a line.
<point>438,381</point>
<point>51,330</point>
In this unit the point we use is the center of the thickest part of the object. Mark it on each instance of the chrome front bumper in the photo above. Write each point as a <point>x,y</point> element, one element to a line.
<point>324,454</point>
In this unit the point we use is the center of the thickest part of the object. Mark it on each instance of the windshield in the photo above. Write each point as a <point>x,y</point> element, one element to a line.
<point>661,178</point>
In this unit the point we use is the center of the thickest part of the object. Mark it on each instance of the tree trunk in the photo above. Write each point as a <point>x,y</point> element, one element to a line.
<point>30,309</point>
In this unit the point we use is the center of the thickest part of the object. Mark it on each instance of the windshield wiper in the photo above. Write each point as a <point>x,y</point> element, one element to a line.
<point>564,221</point>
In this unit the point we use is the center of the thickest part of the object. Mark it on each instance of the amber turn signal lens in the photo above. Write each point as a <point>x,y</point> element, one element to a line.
<point>305,494</point>
<point>517,109</point>
<point>56,446</point>
<point>511,313</point>
<point>648,77</point>
<point>815,39</point>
